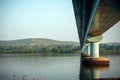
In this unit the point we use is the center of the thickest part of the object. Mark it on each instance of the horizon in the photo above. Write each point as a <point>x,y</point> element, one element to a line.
<point>49,19</point>
<point>52,39</point>
<point>37,38</point>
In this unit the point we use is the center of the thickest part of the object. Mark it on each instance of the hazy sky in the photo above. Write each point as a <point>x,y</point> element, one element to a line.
<point>53,19</point>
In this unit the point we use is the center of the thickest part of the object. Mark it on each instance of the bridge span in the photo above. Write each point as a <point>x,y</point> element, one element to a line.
<point>94,18</point>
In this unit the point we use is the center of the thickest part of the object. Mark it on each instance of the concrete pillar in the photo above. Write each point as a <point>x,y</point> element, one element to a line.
<point>88,49</point>
<point>94,49</point>
<point>94,45</point>
<point>85,49</point>
<point>94,58</point>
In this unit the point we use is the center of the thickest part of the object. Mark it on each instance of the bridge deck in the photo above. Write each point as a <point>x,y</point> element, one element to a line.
<point>106,16</point>
<point>94,17</point>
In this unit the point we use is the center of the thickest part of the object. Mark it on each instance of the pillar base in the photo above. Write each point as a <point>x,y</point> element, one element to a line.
<point>91,61</point>
<point>84,55</point>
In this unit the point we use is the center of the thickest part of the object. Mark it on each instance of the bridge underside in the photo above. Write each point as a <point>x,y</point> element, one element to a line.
<point>106,16</point>
<point>94,17</point>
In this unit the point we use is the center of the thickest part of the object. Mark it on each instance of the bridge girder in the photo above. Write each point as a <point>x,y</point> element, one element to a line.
<point>94,17</point>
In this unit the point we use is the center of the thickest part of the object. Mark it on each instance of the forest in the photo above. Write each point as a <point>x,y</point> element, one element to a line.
<point>69,49</point>
<point>40,49</point>
<point>48,46</point>
<point>113,49</point>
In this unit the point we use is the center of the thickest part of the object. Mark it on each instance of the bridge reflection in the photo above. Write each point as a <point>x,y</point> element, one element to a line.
<point>88,72</point>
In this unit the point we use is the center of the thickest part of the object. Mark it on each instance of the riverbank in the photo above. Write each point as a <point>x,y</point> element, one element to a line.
<point>37,54</point>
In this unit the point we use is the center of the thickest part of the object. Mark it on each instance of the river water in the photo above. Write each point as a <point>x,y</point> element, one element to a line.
<point>51,68</point>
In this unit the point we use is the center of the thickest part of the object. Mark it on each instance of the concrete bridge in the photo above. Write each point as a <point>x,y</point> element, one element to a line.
<point>93,18</point>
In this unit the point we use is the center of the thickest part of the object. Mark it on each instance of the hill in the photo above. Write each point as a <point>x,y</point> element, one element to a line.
<point>42,45</point>
<point>38,45</point>
<point>36,42</point>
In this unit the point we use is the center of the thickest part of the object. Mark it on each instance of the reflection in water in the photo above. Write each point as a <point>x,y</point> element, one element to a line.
<point>91,72</point>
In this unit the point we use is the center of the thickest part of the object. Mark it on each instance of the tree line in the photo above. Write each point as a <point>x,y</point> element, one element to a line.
<point>40,49</point>
<point>109,49</point>
<point>70,49</point>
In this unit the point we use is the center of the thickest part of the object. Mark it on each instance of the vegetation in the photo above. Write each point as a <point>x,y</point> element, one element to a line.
<point>47,47</point>
<point>110,48</point>
<point>40,49</point>
<point>38,46</point>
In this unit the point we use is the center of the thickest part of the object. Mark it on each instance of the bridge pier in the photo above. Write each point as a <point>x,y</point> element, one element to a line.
<point>87,47</point>
<point>93,51</point>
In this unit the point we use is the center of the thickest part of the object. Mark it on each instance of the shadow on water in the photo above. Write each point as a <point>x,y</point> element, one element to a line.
<point>88,72</point>
<point>91,73</point>
<point>111,72</point>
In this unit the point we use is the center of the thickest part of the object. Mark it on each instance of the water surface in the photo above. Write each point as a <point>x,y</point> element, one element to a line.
<point>51,68</point>
<point>39,68</point>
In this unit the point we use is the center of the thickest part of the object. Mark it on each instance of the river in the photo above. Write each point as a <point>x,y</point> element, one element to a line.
<point>35,67</point>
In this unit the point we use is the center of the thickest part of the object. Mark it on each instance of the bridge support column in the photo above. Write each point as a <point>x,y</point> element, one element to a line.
<point>94,58</point>
<point>94,49</point>
<point>88,49</point>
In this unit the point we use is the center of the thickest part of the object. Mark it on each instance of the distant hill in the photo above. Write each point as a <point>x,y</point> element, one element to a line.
<point>42,42</point>
<point>36,42</point>
<point>47,46</point>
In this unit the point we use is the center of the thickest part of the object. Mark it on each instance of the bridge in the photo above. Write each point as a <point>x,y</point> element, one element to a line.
<point>94,18</point>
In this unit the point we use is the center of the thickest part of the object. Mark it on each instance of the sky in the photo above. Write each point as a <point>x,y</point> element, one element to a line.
<point>52,19</point>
